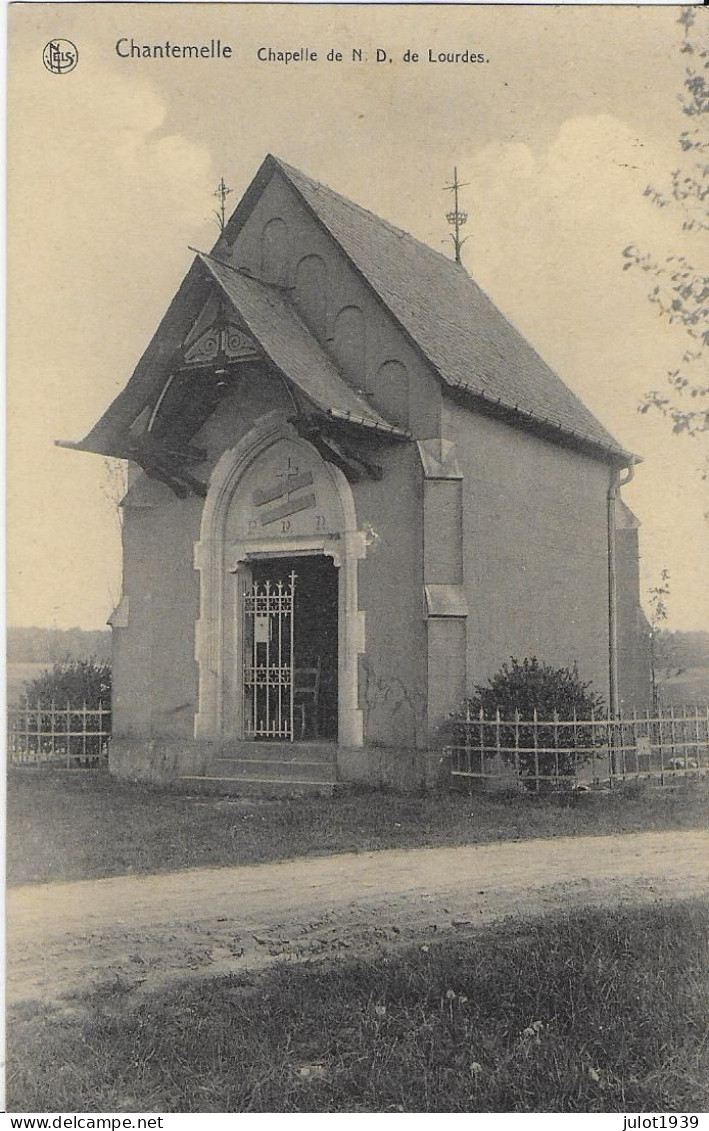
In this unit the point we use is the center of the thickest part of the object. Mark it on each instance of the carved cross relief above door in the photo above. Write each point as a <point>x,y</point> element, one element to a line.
<point>287,492</point>
<point>288,487</point>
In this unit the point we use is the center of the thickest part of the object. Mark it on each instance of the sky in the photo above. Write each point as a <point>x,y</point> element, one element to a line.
<point>112,166</point>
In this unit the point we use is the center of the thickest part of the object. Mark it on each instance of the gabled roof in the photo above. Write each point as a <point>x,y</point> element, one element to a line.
<point>280,333</point>
<point>444,313</point>
<point>288,343</point>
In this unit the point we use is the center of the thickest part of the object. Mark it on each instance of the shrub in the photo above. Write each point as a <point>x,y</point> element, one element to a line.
<point>72,683</point>
<point>531,684</point>
<point>58,715</point>
<point>516,691</point>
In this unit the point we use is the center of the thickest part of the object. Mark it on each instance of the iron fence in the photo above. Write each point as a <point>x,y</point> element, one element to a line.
<point>70,736</point>
<point>536,754</point>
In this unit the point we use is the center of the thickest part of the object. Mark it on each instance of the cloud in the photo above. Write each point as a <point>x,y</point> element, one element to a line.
<point>84,251</point>
<point>549,229</point>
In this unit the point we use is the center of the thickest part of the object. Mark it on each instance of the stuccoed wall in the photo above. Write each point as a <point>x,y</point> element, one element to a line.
<point>155,676</point>
<point>393,666</point>
<point>536,565</point>
<point>159,760</point>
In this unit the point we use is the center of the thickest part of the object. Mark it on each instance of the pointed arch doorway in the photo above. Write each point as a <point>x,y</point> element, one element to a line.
<point>280,631</point>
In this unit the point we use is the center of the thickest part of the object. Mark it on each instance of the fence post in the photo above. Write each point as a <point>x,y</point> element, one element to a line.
<point>102,712</point>
<point>612,744</point>
<point>635,742</point>
<point>83,734</point>
<point>535,743</point>
<point>68,736</point>
<point>673,735</point>
<point>517,769</point>
<point>596,776</point>
<point>648,725</point>
<point>481,718</point>
<point>555,719</point>
<point>620,744</point>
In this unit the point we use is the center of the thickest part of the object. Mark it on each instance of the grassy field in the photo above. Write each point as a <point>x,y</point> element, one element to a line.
<point>690,686</point>
<point>594,1011</point>
<point>76,825</point>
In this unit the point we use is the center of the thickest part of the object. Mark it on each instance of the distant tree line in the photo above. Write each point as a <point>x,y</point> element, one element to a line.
<point>53,645</point>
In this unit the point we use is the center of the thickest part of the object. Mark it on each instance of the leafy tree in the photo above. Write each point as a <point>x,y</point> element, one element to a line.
<point>681,288</point>
<point>663,650</point>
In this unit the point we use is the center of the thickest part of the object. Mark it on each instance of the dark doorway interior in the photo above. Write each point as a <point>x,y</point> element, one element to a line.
<point>315,636</point>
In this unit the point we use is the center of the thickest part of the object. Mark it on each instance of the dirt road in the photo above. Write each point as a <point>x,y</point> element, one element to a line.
<point>137,932</point>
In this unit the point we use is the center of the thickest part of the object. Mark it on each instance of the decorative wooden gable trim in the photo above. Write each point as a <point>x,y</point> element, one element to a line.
<point>217,337</point>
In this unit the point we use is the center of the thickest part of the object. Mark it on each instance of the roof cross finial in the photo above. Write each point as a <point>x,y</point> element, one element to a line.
<point>222,191</point>
<point>456,218</point>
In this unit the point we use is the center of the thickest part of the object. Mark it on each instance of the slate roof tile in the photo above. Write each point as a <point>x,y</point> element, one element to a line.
<point>459,329</point>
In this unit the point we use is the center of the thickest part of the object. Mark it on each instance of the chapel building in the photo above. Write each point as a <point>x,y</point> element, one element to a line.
<point>355,491</point>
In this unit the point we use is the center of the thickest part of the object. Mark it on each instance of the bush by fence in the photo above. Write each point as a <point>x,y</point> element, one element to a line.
<point>64,716</point>
<point>505,715</point>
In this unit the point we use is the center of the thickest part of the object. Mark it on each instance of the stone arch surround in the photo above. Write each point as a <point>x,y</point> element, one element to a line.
<point>218,557</point>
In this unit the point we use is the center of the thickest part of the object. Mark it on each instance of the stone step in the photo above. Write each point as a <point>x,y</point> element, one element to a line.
<point>303,752</point>
<point>257,787</point>
<point>274,769</point>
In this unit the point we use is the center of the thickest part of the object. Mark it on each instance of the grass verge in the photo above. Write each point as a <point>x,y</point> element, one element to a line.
<point>594,1011</point>
<point>82,825</point>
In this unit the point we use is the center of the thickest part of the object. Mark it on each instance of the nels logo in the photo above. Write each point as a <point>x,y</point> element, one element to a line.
<point>60,56</point>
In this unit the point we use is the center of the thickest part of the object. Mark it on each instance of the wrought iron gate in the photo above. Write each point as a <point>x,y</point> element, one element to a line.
<point>268,659</point>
